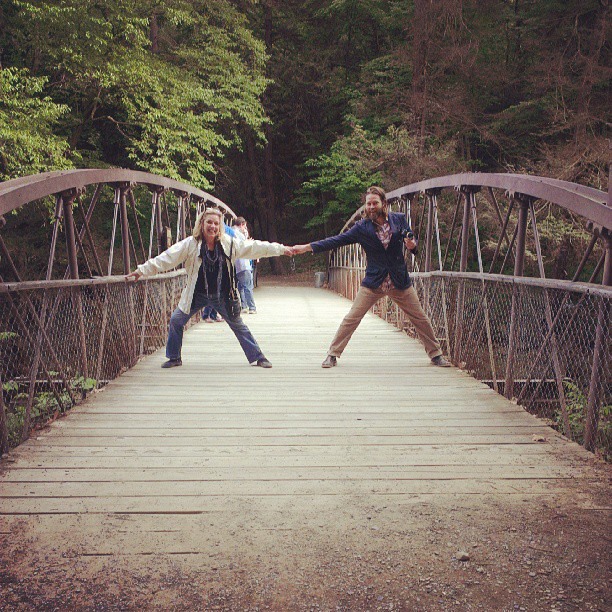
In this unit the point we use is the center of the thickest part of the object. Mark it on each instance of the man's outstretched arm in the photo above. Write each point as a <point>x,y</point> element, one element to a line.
<point>327,244</point>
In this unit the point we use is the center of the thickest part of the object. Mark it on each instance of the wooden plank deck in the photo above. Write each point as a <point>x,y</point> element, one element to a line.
<point>175,462</point>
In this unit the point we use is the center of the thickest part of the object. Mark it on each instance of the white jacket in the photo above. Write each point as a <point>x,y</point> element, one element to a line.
<point>187,251</point>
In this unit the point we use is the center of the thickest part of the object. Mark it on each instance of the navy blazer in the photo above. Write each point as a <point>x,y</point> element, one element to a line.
<point>381,261</point>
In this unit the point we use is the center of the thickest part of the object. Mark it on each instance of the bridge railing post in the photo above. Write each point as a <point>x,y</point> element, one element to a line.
<point>69,230</point>
<point>465,236</point>
<point>519,265</point>
<point>601,355</point>
<point>124,188</point>
<point>4,441</point>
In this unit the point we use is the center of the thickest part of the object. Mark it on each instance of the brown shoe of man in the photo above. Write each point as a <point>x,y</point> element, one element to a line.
<point>330,362</point>
<point>441,362</point>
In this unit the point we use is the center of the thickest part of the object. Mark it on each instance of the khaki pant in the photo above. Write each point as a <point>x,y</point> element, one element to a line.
<point>406,299</point>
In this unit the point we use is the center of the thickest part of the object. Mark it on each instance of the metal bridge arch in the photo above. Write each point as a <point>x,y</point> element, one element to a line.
<point>545,342</point>
<point>82,191</point>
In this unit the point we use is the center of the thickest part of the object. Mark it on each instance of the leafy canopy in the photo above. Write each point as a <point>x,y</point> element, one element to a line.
<point>163,87</point>
<point>28,119</point>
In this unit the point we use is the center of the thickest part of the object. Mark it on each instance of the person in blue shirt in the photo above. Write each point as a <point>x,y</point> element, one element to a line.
<point>210,315</point>
<point>244,272</point>
<point>380,234</point>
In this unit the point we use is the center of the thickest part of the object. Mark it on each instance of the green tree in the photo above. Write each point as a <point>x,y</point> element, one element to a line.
<point>157,86</point>
<point>28,119</point>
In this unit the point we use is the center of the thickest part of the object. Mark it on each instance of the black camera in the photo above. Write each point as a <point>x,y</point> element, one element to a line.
<point>406,233</point>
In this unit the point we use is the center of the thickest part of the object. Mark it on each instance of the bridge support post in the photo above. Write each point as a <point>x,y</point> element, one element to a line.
<point>127,264</point>
<point>4,446</point>
<point>557,366</point>
<point>600,354</point>
<point>161,241</point>
<point>181,207</point>
<point>465,236</point>
<point>67,201</point>
<point>519,266</point>
<point>428,244</point>
<point>125,228</point>
<point>159,226</point>
<point>3,422</point>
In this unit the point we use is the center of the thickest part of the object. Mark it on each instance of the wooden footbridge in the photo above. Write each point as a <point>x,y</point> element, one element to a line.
<point>383,483</point>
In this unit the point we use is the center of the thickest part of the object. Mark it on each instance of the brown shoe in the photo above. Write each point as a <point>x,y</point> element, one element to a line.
<point>330,362</point>
<point>441,362</point>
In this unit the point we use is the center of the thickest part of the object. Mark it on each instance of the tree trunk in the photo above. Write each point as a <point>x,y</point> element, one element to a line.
<point>265,197</point>
<point>154,33</point>
<point>595,42</point>
<point>420,44</point>
<point>268,205</point>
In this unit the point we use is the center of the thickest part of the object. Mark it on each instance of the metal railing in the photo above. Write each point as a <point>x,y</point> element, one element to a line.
<point>557,364</point>
<point>544,343</point>
<point>61,339</point>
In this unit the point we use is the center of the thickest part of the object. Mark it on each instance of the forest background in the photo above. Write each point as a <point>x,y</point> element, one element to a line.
<point>287,110</point>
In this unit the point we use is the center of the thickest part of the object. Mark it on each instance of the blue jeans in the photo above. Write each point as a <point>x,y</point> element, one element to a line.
<point>209,313</point>
<point>179,319</point>
<point>245,286</point>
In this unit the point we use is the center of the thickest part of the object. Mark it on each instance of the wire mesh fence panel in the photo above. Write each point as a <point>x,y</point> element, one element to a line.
<point>59,343</point>
<point>544,345</point>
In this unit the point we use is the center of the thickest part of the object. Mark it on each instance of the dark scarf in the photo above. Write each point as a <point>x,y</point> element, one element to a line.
<point>212,263</point>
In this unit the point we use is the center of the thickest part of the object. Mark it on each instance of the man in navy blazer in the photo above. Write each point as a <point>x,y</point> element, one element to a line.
<point>380,234</point>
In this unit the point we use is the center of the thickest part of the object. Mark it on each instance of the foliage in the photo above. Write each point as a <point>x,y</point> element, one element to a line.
<point>576,408</point>
<point>496,85</point>
<point>338,179</point>
<point>45,405</point>
<point>268,102</point>
<point>80,383</point>
<point>159,87</point>
<point>10,386</point>
<point>28,118</point>
<point>358,160</point>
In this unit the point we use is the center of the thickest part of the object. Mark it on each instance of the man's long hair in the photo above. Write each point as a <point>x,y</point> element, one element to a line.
<point>380,192</point>
<point>198,229</point>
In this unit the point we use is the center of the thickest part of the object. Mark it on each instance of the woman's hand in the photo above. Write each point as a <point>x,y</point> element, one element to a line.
<point>133,276</point>
<point>299,249</point>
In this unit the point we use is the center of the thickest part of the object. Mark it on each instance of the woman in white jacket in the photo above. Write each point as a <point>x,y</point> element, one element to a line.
<point>206,255</point>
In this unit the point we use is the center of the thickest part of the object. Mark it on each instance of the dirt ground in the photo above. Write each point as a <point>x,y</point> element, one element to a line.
<point>545,553</point>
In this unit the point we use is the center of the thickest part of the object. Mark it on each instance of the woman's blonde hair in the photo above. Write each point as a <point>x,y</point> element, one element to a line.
<point>198,232</point>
